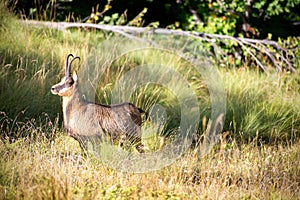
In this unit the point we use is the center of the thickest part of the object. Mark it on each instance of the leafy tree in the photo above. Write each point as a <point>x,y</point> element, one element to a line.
<point>237,18</point>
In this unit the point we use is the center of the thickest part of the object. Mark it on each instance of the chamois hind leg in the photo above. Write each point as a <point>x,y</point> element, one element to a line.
<point>133,140</point>
<point>122,140</point>
<point>140,147</point>
<point>138,141</point>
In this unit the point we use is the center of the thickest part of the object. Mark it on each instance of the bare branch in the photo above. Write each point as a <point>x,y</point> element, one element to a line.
<point>131,32</point>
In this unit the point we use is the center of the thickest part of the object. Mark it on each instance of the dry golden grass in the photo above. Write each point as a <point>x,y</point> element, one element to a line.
<point>40,169</point>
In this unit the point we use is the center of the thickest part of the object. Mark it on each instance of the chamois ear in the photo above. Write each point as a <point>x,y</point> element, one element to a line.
<point>75,77</point>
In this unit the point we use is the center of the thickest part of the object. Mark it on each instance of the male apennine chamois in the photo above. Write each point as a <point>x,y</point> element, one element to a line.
<point>86,121</point>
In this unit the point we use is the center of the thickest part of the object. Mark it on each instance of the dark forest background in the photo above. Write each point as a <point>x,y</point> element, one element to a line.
<point>248,18</point>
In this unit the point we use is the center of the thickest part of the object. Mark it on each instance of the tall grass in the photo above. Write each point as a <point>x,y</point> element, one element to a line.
<point>39,161</point>
<point>33,59</point>
<point>32,168</point>
<point>263,105</point>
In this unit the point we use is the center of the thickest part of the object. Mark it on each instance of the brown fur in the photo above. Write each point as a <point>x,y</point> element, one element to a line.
<point>86,121</point>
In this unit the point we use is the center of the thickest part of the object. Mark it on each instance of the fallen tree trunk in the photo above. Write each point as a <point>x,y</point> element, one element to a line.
<point>132,32</point>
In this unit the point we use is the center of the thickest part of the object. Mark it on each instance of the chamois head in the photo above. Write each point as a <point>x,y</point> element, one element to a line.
<point>68,82</point>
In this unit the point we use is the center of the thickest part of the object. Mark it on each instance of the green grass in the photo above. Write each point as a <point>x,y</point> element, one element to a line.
<point>32,60</point>
<point>267,106</point>
<point>257,157</point>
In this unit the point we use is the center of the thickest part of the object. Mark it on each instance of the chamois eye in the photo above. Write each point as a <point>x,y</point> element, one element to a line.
<point>70,81</point>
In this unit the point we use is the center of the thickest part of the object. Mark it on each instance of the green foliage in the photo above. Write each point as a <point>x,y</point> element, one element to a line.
<point>275,7</point>
<point>103,18</point>
<point>239,19</point>
<point>215,18</point>
<point>292,46</point>
<point>235,17</point>
<point>138,20</point>
<point>116,18</point>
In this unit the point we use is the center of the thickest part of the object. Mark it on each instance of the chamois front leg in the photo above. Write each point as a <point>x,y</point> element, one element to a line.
<point>83,143</point>
<point>137,140</point>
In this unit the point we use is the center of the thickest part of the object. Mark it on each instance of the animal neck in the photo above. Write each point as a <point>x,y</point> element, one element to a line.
<point>71,103</point>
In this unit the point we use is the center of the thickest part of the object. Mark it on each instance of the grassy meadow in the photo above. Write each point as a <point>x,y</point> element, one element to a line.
<point>257,157</point>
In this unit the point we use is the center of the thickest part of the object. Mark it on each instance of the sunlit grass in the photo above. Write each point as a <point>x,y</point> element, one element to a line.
<point>31,168</point>
<point>258,158</point>
<point>267,105</point>
<point>32,59</point>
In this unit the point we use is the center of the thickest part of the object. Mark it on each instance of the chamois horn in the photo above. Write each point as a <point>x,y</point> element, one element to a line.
<point>68,67</point>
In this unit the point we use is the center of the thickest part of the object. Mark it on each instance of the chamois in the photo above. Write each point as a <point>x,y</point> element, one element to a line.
<point>85,121</point>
